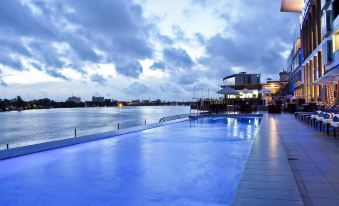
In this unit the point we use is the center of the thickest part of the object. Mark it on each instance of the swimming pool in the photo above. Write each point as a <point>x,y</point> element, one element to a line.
<point>197,162</point>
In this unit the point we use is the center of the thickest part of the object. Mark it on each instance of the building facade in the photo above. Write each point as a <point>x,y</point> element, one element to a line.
<point>98,99</point>
<point>314,52</point>
<point>243,80</point>
<point>74,99</point>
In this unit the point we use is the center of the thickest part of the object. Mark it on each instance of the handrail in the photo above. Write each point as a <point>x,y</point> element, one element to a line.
<point>174,117</point>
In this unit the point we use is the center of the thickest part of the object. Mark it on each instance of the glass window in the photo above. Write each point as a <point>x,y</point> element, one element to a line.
<point>335,41</point>
<point>335,7</point>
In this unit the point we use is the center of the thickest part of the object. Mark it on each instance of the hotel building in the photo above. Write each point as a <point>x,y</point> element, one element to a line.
<point>315,51</point>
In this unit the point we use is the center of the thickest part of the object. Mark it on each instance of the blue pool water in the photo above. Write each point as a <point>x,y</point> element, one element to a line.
<point>196,162</point>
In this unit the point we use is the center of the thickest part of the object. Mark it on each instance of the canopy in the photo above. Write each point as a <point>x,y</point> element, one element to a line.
<point>330,77</point>
<point>227,90</point>
<point>246,91</point>
<point>265,91</point>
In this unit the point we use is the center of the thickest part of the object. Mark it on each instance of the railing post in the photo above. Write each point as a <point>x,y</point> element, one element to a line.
<point>7,146</point>
<point>75,132</point>
<point>145,122</point>
<point>118,126</point>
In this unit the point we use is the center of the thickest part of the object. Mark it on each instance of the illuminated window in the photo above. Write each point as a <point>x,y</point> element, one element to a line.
<point>335,40</point>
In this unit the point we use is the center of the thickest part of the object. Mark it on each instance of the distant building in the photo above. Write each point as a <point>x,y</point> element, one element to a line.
<point>158,101</point>
<point>247,85</point>
<point>284,76</point>
<point>242,81</point>
<point>98,99</point>
<point>145,101</point>
<point>74,99</point>
<point>108,101</point>
<point>136,101</point>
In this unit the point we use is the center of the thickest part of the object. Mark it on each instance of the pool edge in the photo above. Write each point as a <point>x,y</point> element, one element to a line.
<point>56,144</point>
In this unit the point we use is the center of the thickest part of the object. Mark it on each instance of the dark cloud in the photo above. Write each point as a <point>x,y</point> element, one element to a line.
<point>98,78</point>
<point>7,60</point>
<point>177,57</point>
<point>133,69</point>
<point>164,39</point>
<point>159,66</point>
<point>56,74</point>
<point>115,28</point>
<point>255,42</point>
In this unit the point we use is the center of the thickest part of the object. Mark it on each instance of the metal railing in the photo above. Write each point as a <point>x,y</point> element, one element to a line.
<point>77,131</point>
<point>174,117</point>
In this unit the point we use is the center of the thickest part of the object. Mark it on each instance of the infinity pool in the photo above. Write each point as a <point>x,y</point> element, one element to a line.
<point>197,162</point>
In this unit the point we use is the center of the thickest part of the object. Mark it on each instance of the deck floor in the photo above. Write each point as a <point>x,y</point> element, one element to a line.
<point>310,177</point>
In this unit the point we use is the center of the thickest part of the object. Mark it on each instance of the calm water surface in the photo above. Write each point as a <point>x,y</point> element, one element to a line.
<point>191,163</point>
<point>35,126</point>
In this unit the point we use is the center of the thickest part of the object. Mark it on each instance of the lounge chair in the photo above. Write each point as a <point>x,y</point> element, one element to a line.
<point>319,118</point>
<point>312,119</point>
<point>335,124</point>
<point>326,121</point>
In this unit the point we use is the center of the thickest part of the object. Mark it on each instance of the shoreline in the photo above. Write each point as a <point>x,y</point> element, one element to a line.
<point>140,105</point>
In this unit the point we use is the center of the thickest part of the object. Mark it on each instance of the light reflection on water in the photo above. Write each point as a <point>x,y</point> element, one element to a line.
<point>197,162</point>
<point>35,126</point>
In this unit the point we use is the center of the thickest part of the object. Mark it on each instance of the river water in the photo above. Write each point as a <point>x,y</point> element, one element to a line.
<point>36,126</point>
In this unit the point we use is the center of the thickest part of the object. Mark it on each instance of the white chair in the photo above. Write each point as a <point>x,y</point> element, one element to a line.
<point>318,119</point>
<point>327,119</point>
<point>335,125</point>
<point>314,117</point>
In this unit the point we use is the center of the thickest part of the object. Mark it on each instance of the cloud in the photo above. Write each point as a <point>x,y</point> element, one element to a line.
<point>198,43</point>
<point>60,34</point>
<point>133,69</point>
<point>177,57</point>
<point>253,42</point>
<point>159,66</point>
<point>164,39</point>
<point>136,89</point>
<point>98,78</point>
<point>56,74</point>
<point>2,82</point>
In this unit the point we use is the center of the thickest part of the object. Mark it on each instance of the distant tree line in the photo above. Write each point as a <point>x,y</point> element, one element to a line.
<point>18,104</point>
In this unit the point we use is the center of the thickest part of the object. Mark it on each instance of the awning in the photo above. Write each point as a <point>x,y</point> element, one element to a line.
<point>246,91</point>
<point>292,6</point>
<point>227,90</point>
<point>265,91</point>
<point>329,78</point>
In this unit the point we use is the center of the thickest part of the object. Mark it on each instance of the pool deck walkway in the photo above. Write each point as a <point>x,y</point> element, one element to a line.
<point>290,164</point>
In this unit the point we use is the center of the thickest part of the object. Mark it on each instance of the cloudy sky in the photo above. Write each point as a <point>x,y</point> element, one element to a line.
<point>139,49</point>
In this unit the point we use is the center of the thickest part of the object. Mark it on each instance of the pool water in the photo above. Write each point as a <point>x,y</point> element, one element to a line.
<point>197,162</point>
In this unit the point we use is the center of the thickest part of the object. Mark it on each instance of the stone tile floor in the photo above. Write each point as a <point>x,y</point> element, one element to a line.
<point>310,177</point>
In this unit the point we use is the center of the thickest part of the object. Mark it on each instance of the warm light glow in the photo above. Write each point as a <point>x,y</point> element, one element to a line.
<point>120,105</point>
<point>335,41</point>
<point>292,5</point>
